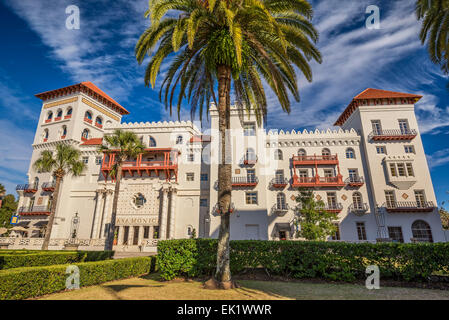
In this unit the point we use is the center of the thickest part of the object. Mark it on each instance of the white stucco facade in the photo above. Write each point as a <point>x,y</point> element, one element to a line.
<point>372,172</point>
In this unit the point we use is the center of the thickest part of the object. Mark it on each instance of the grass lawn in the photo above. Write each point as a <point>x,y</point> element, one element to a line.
<point>149,288</point>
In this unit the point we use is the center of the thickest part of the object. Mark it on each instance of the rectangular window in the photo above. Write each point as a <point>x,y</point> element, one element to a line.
<point>332,200</point>
<point>251,175</point>
<point>381,150</point>
<point>401,169</point>
<point>251,197</point>
<point>98,160</point>
<point>390,199</point>
<point>280,175</point>
<point>377,128</point>
<point>410,172</point>
<point>409,149</point>
<point>303,173</point>
<point>156,232</point>
<point>190,176</point>
<point>203,202</point>
<point>336,235</point>
<point>395,234</point>
<point>403,126</point>
<point>249,129</point>
<point>86,160</point>
<point>146,232</point>
<point>125,235</point>
<point>361,231</point>
<point>328,173</point>
<point>393,170</point>
<point>420,198</point>
<point>204,177</point>
<point>190,157</point>
<point>353,175</point>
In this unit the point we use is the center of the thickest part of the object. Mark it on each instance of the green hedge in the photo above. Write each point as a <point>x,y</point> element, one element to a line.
<point>46,258</point>
<point>22,283</point>
<point>297,259</point>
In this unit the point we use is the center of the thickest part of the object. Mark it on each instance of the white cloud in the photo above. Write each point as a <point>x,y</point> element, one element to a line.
<point>438,158</point>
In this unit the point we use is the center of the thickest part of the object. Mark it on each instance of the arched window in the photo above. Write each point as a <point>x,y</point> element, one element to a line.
<point>63,132</point>
<point>421,231</point>
<point>45,135</point>
<point>59,114</point>
<point>49,116</point>
<point>69,111</point>
<point>36,183</point>
<point>280,201</point>
<point>325,153</point>
<point>357,200</point>
<point>278,155</point>
<point>250,155</point>
<point>152,142</point>
<point>179,140</point>
<point>88,116</point>
<point>85,134</point>
<point>302,153</point>
<point>350,154</point>
<point>99,122</point>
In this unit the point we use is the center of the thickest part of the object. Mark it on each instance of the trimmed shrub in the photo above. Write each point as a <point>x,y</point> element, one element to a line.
<point>299,259</point>
<point>22,283</point>
<point>46,258</point>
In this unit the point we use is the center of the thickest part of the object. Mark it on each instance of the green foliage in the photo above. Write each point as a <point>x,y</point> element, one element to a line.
<point>65,160</point>
<point>125,144</point>
<point>303,259</point>
<point>444,215</point>
<point>22,283</point>
<point>9,207</point>
<point>15,259</point>
<point>315,223</point>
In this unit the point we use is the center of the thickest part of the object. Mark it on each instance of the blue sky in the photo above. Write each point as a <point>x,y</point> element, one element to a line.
<point>39,53</point>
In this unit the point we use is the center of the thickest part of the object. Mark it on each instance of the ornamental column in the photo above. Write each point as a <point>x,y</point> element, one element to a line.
<point>140,239</point>
<point>172,213</point>
<point>106,213</point>
<point>164,214</point>
<point>121,232</point>
<point>97,214</point>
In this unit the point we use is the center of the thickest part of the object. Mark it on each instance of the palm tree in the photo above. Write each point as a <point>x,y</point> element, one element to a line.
<point>434,29</point>
<point>2,193</point>
<point>66,160</point>
<point>124,144</point>
<point>228,45</point>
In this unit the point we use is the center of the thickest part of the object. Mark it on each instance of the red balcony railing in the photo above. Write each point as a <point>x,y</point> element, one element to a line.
<point>314,160</point>
<point>98,125</point>
<point>409,206</point>
<point>168,166</point>
<point>58,118</point>
<point>48,186</point>
<point>317,181</point>
<point>88,120</point>
<point>385,135</point>
<point>67,117</point>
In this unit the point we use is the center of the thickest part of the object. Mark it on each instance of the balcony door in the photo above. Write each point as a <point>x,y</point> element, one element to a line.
<point>377,128</point>
<point>280,176</point>
<point>251,175</point>
<point>390,199</point>
<point>353,175</point>
<point>332,200</point>
<point>403,126</point>
<point>420,198</point>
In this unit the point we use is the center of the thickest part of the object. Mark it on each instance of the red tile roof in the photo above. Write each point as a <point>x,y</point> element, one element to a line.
<point>90,89</point>
<point>93,142</point>
<point>373,94</point>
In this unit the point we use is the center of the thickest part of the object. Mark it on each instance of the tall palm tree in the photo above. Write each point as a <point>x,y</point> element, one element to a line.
<point>66,160</point>
<point>228,45</point>
<point>2,193</point>
<point>124,144</point>
<point>434,30</point>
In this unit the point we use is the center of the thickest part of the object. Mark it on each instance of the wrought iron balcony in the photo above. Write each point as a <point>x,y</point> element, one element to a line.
<point>394,134</point>
<point>358,208</point>
<point>216,209</point>
<point>280,209</point>
<point>34,211</point>
<point>409,206</point>
<point>278,183</point>
<point>333,207</point>
<point>248,181</point>
<point>355,181</point>
<point>28,188</point>
<point>49,186</point>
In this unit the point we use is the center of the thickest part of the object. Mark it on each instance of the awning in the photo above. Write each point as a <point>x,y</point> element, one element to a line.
<point>283,227</point>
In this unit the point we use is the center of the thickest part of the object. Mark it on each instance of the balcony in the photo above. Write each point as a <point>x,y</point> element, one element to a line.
<point>88,120</point>
<point>409,206</point>
<point>48,186</point>
<point>67,117</point>
<point>355,181</point>
<point>278,183</point>
<point>317,181</point>
<point>27,188</point>
<point>333,207</point>
<point>34,211</point>
<point>58,118</point>
<point>314,160</point>
<point>358,208</point>
<point>395,134</point>
<point>98,125</point>
<point>280,209</point>
<point>249,181</point>
<point>249,160</point>
<point>168,166</point>
<point>216,209</point>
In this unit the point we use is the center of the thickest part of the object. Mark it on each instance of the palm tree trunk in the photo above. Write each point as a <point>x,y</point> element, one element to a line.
<point>111,231</point>
<point>51,218</point>
<point>223,271</point>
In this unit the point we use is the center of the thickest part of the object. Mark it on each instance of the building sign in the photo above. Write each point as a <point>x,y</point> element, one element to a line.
<point>137,221</point>
<point>14,220</point>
